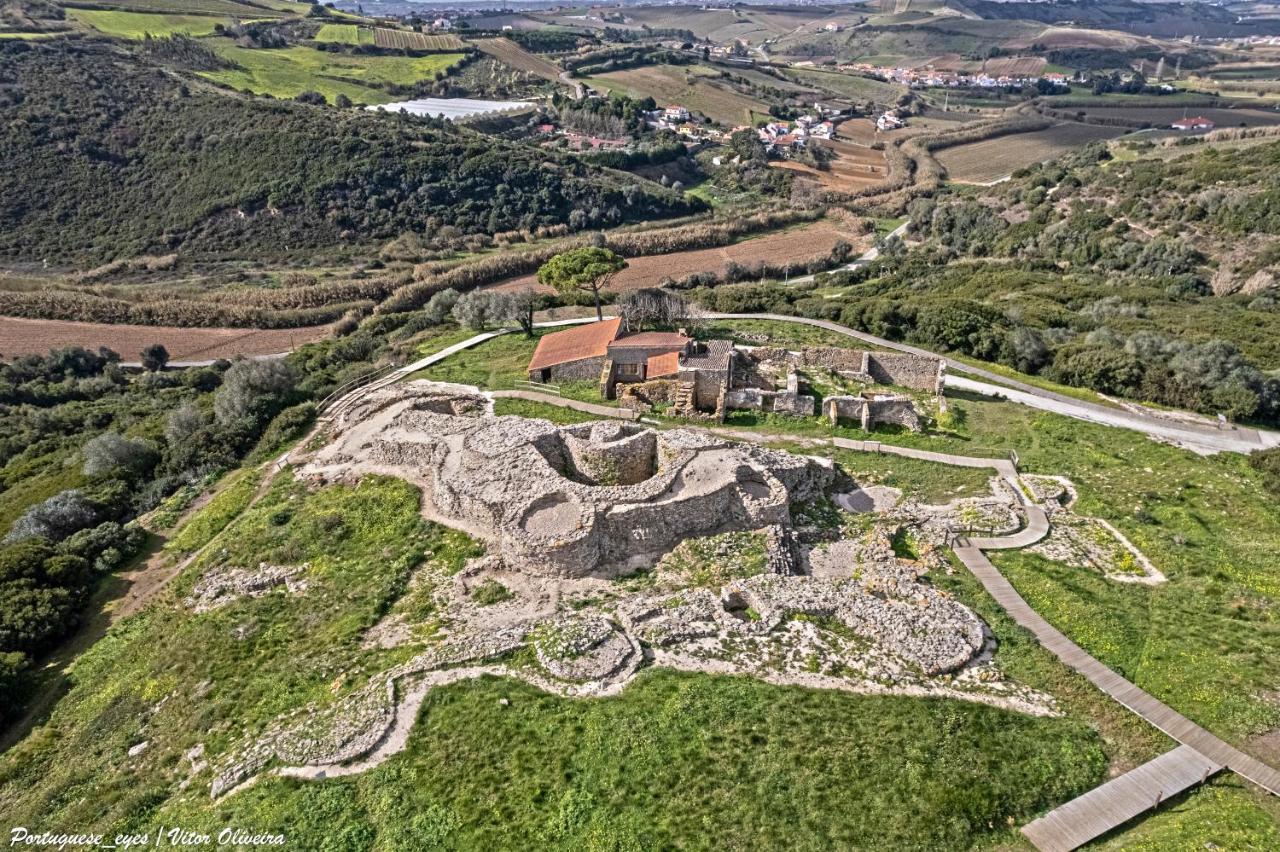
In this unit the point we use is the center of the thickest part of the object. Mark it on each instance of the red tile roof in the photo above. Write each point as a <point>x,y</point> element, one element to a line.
<point>575,344</point>
<point>666,364</point>
<point>651,340</point>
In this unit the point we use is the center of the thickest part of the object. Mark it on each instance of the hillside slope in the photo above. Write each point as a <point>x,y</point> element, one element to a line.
<point>105,156</point>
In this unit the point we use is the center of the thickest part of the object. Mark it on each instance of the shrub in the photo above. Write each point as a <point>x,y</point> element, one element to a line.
<point>56,518</point>
<point>110,453</point>
<point>154,357</point>
<point>252,391</point>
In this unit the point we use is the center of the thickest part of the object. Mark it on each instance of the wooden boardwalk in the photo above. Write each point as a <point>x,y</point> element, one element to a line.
<point>1119,800</point>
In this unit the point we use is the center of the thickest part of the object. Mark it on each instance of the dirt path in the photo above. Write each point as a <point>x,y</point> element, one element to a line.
<point>117,597</point>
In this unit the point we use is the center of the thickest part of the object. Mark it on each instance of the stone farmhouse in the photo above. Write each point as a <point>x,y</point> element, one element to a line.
<point>712,377</point>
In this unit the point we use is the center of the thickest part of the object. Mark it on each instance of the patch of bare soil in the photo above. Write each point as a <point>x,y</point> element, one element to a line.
<point>37,337</point>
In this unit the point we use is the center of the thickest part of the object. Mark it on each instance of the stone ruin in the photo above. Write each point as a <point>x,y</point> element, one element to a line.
<point>595,498</point>
<point>825,604</point>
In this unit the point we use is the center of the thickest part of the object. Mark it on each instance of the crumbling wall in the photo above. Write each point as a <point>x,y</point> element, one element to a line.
<point>607,453</point>
<point>511,480</point>
<point>844,408</point>
<point>896,410</point>
<point>644,395</point>
<point>707,385</point>
<point>870,412</point>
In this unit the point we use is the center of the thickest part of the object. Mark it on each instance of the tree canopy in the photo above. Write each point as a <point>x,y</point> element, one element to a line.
<point>588,269</point>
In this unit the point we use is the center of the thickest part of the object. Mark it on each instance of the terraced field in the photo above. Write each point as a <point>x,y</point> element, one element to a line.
<point>854,167</point>
<point>259,9</point>
<point>692,87</point>
<point>509,53</point>
<point>795,244</point>
<point>991,159</point>
<point>1164,116</point>
<point>849,85</point>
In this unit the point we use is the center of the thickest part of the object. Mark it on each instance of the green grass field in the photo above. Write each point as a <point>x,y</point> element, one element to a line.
<point>756,765</point>
<point>287,72</point>
<point>135,25</point>
<point>344,34</point>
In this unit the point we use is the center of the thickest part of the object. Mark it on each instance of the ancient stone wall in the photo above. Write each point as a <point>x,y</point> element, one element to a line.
<point>644,395</point>
<point>844,408</point>
<point>608,453</point>
<point>918,372</point>
<point>513,481</point>
<point>896,410</point>
<point>706,387</point>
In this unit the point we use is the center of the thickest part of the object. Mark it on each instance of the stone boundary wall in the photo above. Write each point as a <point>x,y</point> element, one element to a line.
<point>918,372</point>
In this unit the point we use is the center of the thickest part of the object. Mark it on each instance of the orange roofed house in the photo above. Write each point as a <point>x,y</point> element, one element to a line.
<point>601,351</point>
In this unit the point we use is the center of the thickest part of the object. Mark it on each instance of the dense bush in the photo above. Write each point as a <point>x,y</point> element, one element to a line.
<point>153,170</point>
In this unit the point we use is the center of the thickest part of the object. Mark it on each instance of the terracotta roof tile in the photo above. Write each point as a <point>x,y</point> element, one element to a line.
<point>666,364</point>
<point>650,339</point>
<point>575,344</point>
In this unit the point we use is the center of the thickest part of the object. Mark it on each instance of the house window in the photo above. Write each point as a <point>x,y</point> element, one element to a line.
<point>631,371</point>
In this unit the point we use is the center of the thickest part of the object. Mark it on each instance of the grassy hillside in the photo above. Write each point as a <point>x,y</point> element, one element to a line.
<point>136,25</point>
<point>495,763</point>
<point>287,72</point>
<point>693,87</point>
<point>108,157</point>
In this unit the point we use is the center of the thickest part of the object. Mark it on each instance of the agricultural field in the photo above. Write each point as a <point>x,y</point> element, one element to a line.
<point>1164,116</point>
<point>509,53</point>
<point>287,72</point>
<point>693,87</point>
<point>798,244</point>
<point>136,25</point>
<point>854,167</point>
<point>344,34</point>
<point>991,159</point>
<point>405,40</point>
<point>850,86</point>
<point>37,337</point>
<point>228,8</point>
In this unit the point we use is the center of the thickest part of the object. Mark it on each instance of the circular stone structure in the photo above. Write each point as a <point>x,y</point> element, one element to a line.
<point>592,499</point>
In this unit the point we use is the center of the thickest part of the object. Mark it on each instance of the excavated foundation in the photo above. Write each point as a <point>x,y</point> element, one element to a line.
<point>594,499</point>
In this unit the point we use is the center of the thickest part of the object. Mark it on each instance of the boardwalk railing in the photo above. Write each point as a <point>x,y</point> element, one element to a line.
<point>346,387</point>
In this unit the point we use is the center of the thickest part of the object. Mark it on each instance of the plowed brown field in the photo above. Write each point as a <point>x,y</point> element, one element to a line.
<point>27,336</point>
<point>854,167</point>
<point>797,245</point>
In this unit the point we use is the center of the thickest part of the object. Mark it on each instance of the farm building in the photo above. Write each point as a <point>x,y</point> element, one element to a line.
<point>600,350</point>
<point>1195,123</point>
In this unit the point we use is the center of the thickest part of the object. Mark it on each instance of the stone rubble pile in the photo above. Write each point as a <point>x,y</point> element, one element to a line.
<point>221,586</point>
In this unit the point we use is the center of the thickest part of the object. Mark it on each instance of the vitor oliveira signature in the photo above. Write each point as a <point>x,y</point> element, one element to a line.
<point>161,838</point>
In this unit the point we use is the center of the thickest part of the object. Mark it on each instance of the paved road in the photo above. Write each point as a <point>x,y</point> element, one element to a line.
<point>861,260</point>
<point>1207,438</point>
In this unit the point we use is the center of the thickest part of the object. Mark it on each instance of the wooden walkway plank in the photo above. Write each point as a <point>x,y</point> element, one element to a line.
<point>1132,697</point>
<point>1114,803</point>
